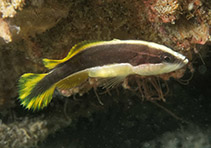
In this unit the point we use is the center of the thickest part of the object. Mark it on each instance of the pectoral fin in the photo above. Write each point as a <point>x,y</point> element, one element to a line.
<point>109,83</point>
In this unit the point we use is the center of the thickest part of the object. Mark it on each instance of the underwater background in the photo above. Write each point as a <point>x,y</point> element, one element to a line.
<point>36,29</point>
<point>131,123</point>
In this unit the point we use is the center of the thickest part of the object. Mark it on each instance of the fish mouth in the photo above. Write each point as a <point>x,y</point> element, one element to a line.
<point>182,63</point>
<point>185,61</point>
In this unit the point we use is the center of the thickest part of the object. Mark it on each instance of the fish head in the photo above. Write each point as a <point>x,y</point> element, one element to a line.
<point>158,60</point>
<point>169,63</point>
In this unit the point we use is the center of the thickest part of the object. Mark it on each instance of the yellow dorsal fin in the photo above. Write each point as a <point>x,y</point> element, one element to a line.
<point>83,46</point>
<point>50,64</point>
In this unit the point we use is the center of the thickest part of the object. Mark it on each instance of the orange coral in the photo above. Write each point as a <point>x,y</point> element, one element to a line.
<point>162,11</point>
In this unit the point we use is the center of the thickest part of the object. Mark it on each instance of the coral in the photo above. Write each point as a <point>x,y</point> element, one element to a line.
<point>192,137</point>
<point>5,31</point>
<point>8,7</point>
<point>186,24</point>
<point>32,20</point>
<point>186,34</point>
<point>162,10</point>
<point>27,132</point>
<point>8,10</point>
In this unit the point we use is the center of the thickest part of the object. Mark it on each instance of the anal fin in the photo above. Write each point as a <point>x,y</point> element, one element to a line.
<point>73,80</point>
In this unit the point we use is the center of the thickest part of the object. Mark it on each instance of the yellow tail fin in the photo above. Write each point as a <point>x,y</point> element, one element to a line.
<point>31,94</point>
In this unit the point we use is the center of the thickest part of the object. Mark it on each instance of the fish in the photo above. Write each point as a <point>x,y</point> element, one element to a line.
<point>114,59</point>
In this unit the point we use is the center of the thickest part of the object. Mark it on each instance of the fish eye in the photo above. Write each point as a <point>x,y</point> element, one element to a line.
<point>166,59</point>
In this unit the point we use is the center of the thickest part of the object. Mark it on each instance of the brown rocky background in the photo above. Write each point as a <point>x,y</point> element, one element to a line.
<point>36,29</point>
